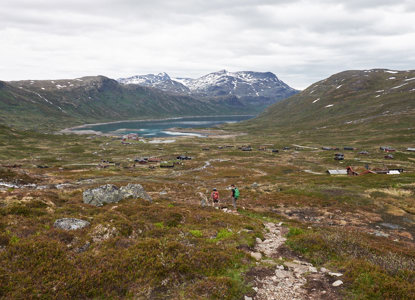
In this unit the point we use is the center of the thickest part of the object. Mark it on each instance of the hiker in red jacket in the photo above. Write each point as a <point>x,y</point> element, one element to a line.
<point>215,197</point>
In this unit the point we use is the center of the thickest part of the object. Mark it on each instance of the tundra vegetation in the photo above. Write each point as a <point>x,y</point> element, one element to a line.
<point>361,226</point>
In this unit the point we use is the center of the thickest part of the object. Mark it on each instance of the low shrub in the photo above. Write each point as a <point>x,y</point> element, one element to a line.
<point>173,219</point>
<point>196,233</point>
<point>294,231</point>
<point>4,239</point>
<point>223,234</point>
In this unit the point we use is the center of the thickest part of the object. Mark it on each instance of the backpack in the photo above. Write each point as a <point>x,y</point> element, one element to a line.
<point>236,193</point>
<point>215,195</point>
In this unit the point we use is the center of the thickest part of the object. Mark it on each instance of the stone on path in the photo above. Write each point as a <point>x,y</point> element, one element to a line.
<point>337,283</point>
<point>256,255</point>
<point>313,269</point>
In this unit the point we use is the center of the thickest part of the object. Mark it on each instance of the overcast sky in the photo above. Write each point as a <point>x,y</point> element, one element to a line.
<point>300,41</point>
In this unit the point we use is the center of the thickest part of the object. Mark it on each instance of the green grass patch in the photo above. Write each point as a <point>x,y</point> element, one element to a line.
<point>196,233</point>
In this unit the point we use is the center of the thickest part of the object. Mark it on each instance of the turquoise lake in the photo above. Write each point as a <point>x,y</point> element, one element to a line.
<point>162,128</point>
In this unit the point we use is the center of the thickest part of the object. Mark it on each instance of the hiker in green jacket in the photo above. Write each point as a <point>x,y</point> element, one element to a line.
<point>235,195</point>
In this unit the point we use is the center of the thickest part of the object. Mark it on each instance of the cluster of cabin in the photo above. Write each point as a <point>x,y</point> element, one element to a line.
<point>246,148</point>
<point>151,161</point>
<point>183,157</point>
<point>351,172</point>
<point>172,163</point>
<point>225,146</point>
<point>268,147</point>
<point>163,163</point>
<point>130,136</point>
<point>261,148</point>
<point>107,163</point>
<point>387,149</point>
<point>145,160</point>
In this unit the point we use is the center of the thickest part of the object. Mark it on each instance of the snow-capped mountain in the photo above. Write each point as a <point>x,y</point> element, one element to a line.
<point>240,84</point>
<point>160,81</point>
<point>219,84</point>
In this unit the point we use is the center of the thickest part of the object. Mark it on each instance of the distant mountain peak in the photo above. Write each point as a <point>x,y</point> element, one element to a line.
<point>218,84</point>
<point>160,81</point>
<point>163,75</point>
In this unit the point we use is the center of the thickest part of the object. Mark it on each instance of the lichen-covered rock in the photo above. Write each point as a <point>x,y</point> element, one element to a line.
<point>70,224</point>
<point>102,233</point>
<point>99,196</point>
<point>134,191</point>
<point>203,199</point>
<point>109,193</point>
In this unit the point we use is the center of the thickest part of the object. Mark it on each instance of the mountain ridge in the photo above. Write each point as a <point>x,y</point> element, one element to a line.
<point>242,84</point>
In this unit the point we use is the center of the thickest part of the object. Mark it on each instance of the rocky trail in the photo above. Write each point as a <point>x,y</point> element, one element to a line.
<point>291,280</point>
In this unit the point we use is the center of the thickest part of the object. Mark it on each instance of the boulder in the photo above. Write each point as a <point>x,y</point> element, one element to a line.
<point>70,224</point>
<point>99,196</point>
<point>203,199</point>
<point>109,193</point>
<point>134,191</point>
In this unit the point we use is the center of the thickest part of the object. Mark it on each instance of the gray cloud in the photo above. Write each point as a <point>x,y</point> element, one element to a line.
<point>302,41</point>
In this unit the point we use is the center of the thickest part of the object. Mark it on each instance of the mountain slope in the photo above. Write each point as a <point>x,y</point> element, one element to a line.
<point>371,100</point>
<point>59,103</point>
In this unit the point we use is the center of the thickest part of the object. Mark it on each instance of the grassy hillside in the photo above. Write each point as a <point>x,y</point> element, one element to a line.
<point>369,104</point>
<point>60,103</point>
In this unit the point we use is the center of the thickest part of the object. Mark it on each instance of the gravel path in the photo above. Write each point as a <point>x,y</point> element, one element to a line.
<point>287,281</point>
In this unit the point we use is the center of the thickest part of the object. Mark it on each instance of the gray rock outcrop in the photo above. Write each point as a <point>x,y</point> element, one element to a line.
<point>109,193</point>
<point>70,224</point>
<point>134,191</point>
